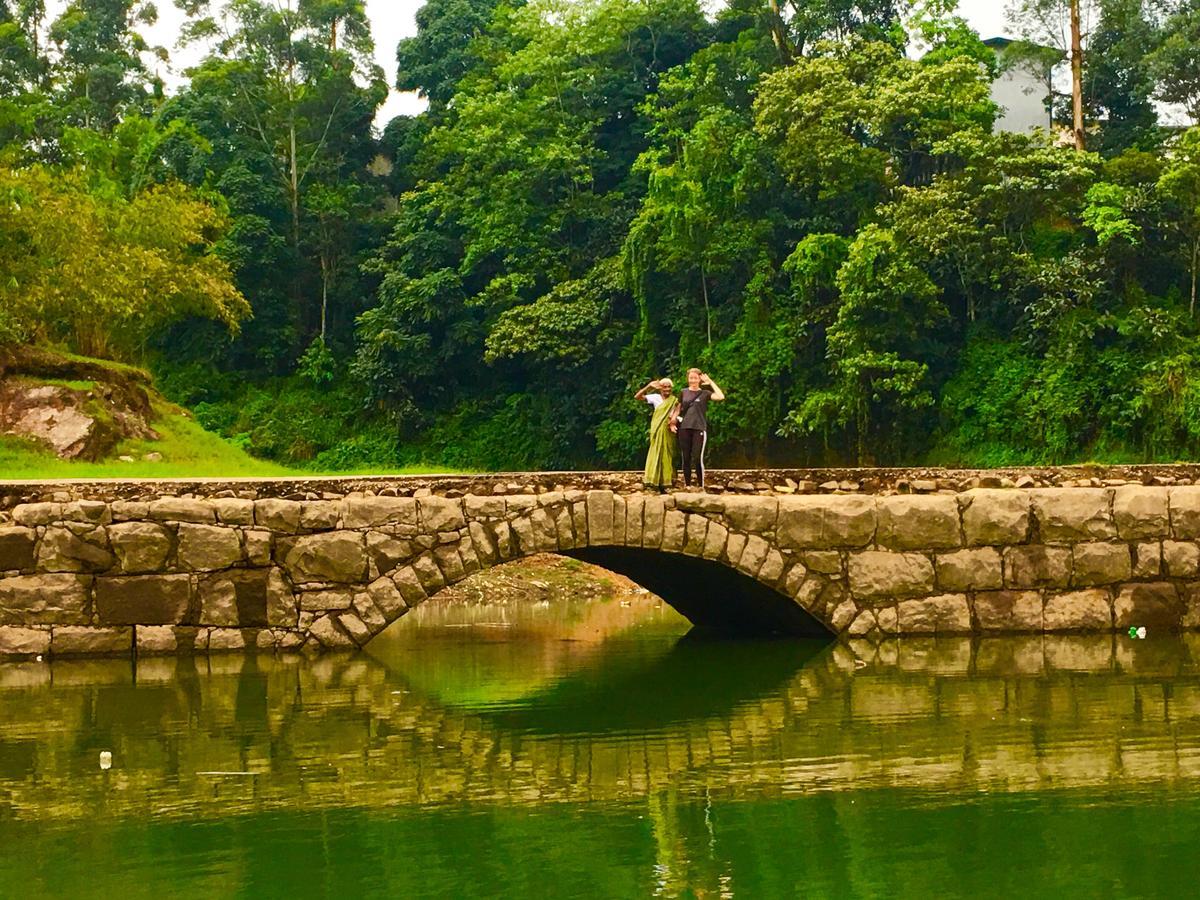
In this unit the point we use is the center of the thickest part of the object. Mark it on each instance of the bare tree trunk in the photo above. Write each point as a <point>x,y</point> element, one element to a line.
<point>779,34</point>
<point>324,292</point>
<point>1195,259</point>
<point>1076,76</point>
<point>707,311</point>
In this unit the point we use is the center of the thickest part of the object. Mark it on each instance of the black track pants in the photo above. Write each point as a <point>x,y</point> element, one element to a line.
<point>691,447</point>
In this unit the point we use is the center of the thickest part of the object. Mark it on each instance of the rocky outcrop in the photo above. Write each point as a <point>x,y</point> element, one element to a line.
<point>79,409</point>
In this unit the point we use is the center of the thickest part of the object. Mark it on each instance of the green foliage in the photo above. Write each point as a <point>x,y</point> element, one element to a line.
<point>806,199</point>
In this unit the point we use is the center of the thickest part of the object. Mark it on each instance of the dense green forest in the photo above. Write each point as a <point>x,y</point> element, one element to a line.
<point>808,199</point>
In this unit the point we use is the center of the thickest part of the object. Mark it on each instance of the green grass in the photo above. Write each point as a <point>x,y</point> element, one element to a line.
<point>188,451</point>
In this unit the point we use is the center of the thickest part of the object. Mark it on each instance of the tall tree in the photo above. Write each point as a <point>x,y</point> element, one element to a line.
<point>1067,26</point>
<point>287,93</point>
<point>99,73</point>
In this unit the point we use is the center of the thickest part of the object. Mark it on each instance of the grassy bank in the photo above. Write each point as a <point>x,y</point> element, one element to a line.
<point>187,450</point>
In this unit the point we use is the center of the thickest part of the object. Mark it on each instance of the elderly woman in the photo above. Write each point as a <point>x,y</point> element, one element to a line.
<point>660,461</point>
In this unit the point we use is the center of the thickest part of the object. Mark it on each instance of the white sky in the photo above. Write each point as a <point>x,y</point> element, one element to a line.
<point>393,19</point>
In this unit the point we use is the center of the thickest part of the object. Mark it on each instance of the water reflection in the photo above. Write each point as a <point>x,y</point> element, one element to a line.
<point>643,712</point>
<point>594,748</point>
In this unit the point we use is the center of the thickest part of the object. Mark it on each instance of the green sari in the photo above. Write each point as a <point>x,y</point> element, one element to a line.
<point>660,461</point>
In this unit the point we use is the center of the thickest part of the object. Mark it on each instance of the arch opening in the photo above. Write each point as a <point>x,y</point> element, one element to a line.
<point>709,594</point>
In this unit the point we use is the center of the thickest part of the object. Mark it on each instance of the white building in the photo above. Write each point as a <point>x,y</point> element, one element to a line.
<point>1021,91</point>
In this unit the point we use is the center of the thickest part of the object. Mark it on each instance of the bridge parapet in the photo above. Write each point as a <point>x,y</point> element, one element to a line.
<point>104,567</point>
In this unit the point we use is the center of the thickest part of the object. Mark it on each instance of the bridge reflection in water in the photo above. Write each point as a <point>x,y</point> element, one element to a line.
<point>624,720</point>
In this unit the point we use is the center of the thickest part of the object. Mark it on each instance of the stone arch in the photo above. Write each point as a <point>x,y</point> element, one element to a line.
<point>714,558</point>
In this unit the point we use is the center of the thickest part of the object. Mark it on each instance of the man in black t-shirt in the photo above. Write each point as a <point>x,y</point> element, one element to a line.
<point>693,423</point>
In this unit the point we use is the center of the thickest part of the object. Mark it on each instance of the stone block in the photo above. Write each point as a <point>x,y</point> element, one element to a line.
<point>61,550</point>
<point>522,529</point>
<point>1184,509</point>
<point>329,634</point>
<point>234,511</point>
<point>1181,558</point>
<point>428,574</point>
<point>714,540</point>
<point>734,546</point>
<point>206,548</point>
<point>882,573</point>
<point>690,502</point>
<point>1100,563</point>
<point>140,546</point>
<point>82,640</point>
<point>60,599</point>
<point>1089,610</point>
<point>30,514</point>
<point>483,507</point>
<point>372,616</point>
<point>506,542</point>
<point>281,516</point>
<point>389,599</point>
<point>332,556</point>
<point>600,517</point>
<point>579,522</point>
<point>695,532</point>
<point>158,640</point>
<point>129,510</point>
<point>912,522</point>
<point>545,533</point>
<point>824,522</point>
<point>440,514</point>
<point>635,510</point>
<point>362,511</point>
<point>1147,560</point>
<point>182,509</point>
<point>317,515</point>
<point>355,627</point>
<point>216,640</point>
<point>16,548</point>
<point>142,599</point>
<point>447,559</point>
<point>1037,565</point>
<point>943,614</point>
<point>237,597</point>
<point>772,567</point>
<point>1141,512</point>
<point>95,512</point>
<point>618,520</point>
<point>754,555</point>
<point>674,531</point>
<point>387,552</point>
<point>1017,611</point>
<point>18,641</point>
<point>973,569</point>
<point>565,529</point>
<point>754,515</point>
<point>827,562</point>
<point>1156,605</point>
<point>281,601</point>
<point>843,614</point>
<point>485,544</point>
<point>653,510</point>
<point>257,543</point>
<point>993,516</point>
<point>1073,514</point>
<point>408,582</point>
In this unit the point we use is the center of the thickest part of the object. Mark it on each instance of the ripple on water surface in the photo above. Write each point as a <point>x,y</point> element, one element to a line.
<point>595,749</point>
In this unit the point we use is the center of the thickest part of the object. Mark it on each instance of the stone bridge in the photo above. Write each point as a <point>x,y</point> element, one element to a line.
<point>167,567</point>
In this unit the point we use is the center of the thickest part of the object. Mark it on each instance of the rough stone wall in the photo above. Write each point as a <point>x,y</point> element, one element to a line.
<point>168,574</point>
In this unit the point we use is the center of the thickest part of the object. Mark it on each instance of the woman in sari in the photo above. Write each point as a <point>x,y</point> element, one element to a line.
<point>660,461</point>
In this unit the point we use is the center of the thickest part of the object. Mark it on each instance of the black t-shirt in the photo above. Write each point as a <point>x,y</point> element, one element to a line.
<point>693,406</point>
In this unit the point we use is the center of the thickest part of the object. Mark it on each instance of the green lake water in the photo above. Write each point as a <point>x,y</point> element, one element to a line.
<point>595,750</point>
